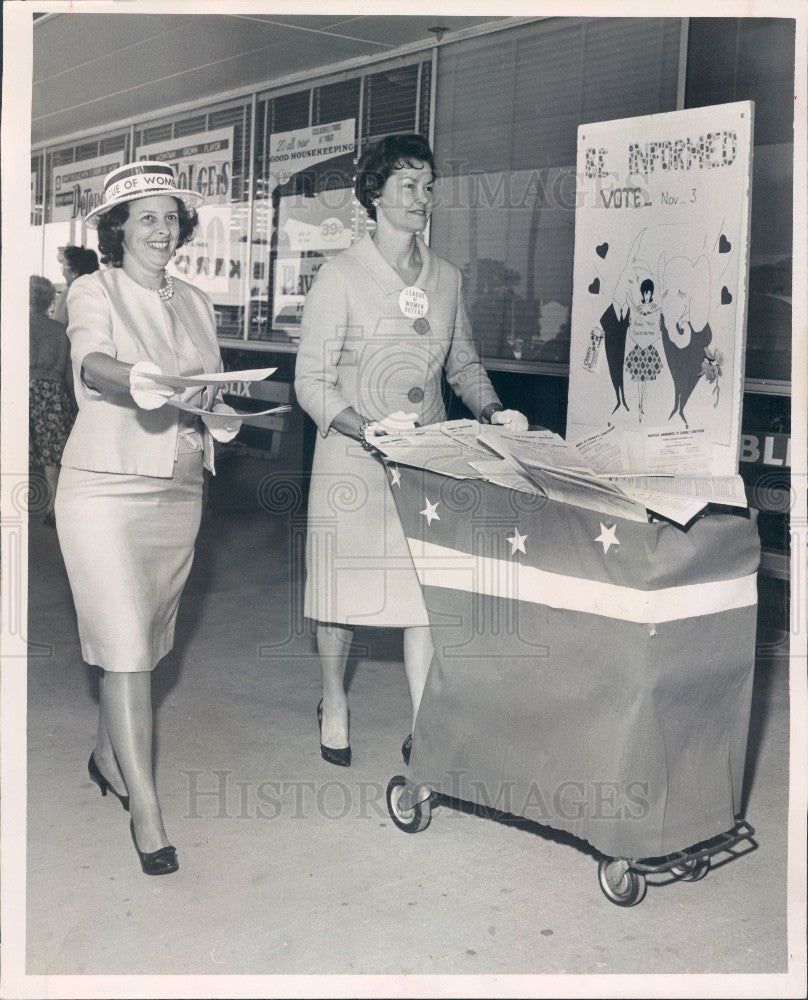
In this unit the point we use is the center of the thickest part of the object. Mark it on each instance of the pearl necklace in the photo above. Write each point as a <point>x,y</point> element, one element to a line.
<point>167,290</point>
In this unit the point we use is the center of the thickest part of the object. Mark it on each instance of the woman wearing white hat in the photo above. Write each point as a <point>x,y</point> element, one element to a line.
<point>129,502</point>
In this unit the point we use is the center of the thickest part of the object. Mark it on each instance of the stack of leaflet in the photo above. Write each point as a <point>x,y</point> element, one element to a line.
<point>560,472</point>
<point>564,474</point>
<point>448,448</point>
<point>541,462</point>
<point>675,481</point>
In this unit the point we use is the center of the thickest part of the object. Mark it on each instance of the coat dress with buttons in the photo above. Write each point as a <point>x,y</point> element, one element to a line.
<point>359,349</point>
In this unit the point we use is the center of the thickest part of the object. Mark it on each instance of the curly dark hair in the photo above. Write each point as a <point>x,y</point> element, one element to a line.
<point>110,230</point>
<point>380,160</point>
<point>41,294</point>
<point>80,260</point>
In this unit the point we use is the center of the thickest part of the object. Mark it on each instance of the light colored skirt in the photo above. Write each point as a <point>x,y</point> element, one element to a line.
<point>128,544</point>
<point>358,565</point>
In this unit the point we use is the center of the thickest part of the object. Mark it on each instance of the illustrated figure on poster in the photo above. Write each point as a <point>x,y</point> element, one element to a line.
<point>643,362</point>
<point>615,322</point>
<point>684,322</point>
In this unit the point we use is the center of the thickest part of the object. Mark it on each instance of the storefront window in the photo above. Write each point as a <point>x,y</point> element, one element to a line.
<point>508,109</point>
<point>738,59</point>
<point>306,150</point>
<point>295,176</point>
<point>210,154</point>
<point>72,184</point>
<point>37,189</point>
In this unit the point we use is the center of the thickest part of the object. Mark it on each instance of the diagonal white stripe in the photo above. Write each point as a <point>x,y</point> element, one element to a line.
<point>439,566</point>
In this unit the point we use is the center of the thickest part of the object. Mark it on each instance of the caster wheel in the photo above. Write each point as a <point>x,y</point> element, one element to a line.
<point>619,883</point>
<point>692,871</point>
<point>409,820</point>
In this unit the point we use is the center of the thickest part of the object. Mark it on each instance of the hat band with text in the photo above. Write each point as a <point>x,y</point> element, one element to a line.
<point>143,167</point>
<point>123,187</point>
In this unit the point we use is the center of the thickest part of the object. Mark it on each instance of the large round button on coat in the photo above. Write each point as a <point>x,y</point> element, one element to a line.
<point>415,395</point>
<point>421,325</point>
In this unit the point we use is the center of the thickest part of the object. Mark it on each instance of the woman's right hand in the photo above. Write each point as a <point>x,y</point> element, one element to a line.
<point>146,391</point>
<point>350,423</point>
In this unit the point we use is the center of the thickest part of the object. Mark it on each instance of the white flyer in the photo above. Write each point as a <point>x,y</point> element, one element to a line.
<point>543,449</point>
<point>212,378</point>
<point>602,450</point>
<point>666,451</point>
<point>680,510</point>
<point>211,415</point>
<point>729,490</point>
<point>500,473</point>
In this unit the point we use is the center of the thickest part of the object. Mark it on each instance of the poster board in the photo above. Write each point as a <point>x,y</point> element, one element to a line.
<point>215,259</point>
<point>310,230</point>
<point>78,188</point>
<point>659,289</point>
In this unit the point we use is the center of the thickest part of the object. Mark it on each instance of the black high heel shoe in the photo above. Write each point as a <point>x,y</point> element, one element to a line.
<point>406,749</point>
<point>339,756</point>
<point>103,784</point>
<point>160,862</point>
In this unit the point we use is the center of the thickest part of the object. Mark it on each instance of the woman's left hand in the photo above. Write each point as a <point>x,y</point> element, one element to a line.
<point>512,420</point>
<point>148,393</point>
<point>222,429</point>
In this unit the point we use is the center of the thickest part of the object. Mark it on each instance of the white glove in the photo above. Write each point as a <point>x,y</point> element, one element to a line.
<point>146,392</point>
<point>222,429</point>
<point>511,420</point>
<point>394,423</point>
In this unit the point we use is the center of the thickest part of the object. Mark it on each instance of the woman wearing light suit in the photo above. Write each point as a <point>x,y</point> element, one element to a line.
<point>130,493</point>
<point>383,321</point>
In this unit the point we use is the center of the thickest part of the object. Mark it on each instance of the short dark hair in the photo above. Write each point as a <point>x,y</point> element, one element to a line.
<point>110,230</point>
<point>80,260</point>
<point>647,286</point>
<point>41,294</point>
<point>380,160</point>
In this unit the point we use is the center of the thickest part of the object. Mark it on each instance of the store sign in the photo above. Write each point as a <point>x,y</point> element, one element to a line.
<point>215,259</point>
<point>291,152</point>
<point>203,162</point>
<point>766,449</point>
<point>309,233</point>
<point>310,230</point>
<point>77,188</point>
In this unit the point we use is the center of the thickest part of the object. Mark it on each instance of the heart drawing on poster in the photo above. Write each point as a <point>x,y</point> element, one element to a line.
<point>602,250</point>
<point>726,296</point>
<point>724,245</point>
<point>594,288</point>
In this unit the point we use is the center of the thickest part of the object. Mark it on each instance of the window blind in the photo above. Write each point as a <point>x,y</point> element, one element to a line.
<point>738,59</point>
<point>311,214</point>
<point>508,109</point>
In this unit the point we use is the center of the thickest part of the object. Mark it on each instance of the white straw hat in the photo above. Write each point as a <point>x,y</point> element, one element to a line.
<point>140,180</point>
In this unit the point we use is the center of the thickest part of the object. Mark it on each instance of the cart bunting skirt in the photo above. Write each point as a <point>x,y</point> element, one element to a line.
<point>452,569</point>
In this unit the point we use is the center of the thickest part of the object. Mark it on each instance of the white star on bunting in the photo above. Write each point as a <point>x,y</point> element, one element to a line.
<point>395,476</point>
<point>607,537</point>
<point>517,542</point>
<point>430,512</point>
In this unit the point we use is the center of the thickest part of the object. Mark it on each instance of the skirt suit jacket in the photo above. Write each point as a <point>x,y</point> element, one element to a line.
<point>112,314</point>
<point>129,500</point>
<point>358,349</point>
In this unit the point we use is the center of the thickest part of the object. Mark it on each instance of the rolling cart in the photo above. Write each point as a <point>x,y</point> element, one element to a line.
<point>591,673</point>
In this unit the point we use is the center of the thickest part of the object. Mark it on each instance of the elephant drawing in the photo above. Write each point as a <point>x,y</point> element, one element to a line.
<point>684,323</point>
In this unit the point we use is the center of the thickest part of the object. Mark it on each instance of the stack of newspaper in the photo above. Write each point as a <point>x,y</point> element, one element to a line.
<point>580,473</point>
